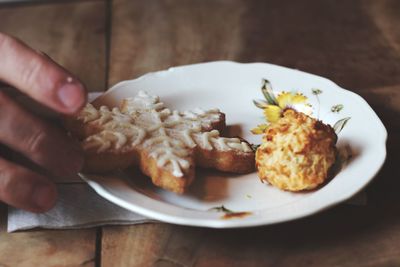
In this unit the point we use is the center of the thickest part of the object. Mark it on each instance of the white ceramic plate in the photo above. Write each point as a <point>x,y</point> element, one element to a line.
<point>231,87</point>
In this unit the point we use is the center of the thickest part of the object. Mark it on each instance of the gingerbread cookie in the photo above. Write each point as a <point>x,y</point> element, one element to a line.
<point>166,144</point>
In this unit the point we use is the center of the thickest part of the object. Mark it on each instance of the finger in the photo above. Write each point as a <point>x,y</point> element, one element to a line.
<point>39,141</point>
<point>24,189</point>
<point>39,77</point>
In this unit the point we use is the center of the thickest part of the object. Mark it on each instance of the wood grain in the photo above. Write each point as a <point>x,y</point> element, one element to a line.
<point>315,241</point>
<point>341,41</point>
<point>337,40</point>
<point>344,236</point>
<point>48,248</point>
<point>73,34</point>
<point>354,43</point>
<point>386,17</point>
<point>70,33</point>
<point>154,35</point>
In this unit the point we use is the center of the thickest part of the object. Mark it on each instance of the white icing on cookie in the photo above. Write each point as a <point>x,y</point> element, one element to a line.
<point>143,123</point>
<point>105,140</point>
<point>89,113</point>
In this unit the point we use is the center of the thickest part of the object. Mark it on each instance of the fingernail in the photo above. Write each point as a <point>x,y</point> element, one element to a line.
<point>71,94</point>
<point>44,196</point>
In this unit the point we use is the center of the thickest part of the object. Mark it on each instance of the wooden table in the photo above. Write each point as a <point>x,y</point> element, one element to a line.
<point>355,43</point>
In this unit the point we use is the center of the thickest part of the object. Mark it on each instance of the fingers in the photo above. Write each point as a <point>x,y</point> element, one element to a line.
<point>42,143</point>
<point>25,189</point>
<point>39,77</point>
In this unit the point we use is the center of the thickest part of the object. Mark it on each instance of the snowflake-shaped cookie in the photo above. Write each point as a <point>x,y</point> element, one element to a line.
<point>167,145</point>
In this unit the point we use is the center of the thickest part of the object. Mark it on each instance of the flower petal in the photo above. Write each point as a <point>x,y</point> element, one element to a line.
<point>284,99</point>
<point>259,129</point>
<point>272,113</point>
<point>299,98</point>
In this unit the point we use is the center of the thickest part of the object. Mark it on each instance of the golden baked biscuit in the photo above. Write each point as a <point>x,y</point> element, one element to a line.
<point>165,144</point>
<point>297,152</point>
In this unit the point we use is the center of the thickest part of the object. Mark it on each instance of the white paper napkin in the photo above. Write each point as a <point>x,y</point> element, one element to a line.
<point>78,206</point>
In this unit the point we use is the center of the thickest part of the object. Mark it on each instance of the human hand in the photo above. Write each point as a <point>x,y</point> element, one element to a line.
<point>37,76</point>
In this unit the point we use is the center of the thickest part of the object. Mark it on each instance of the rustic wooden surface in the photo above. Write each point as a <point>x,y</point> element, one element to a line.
<point>355,43</point>
<point>73,34</point>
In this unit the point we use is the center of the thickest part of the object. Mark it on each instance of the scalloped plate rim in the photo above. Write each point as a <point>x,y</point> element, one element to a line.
<point>214,221</point>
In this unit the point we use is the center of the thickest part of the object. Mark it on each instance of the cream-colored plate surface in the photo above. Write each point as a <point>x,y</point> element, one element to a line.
<point>231,87</point>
